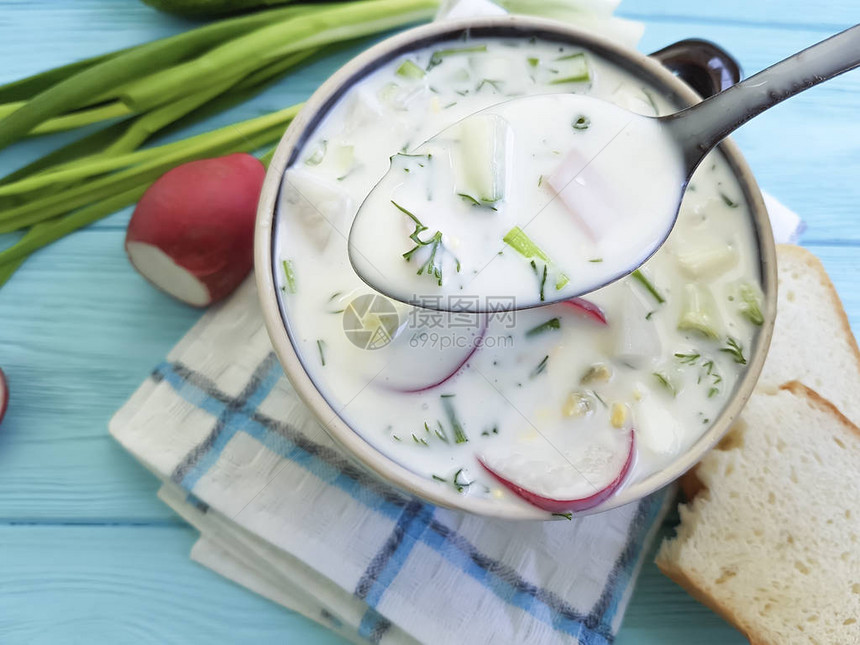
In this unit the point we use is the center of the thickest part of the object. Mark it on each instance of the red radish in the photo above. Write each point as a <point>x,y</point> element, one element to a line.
<point>473,346</point>
<point>192,232</point>
<point>4,395</point>
<point>587,308</point>
<point>564,505</point>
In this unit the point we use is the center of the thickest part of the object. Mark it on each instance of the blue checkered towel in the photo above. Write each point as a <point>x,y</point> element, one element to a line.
<point>282,511</point>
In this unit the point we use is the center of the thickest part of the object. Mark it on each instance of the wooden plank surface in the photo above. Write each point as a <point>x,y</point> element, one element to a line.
<point>80,528</point>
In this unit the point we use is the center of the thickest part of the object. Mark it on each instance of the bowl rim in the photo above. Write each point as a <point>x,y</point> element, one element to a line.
<point>355,445</point>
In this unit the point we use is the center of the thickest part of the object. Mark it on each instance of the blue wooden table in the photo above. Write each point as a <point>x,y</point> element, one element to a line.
<point>87,553</point>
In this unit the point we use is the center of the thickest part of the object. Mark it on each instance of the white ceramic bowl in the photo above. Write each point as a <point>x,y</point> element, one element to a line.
<point>267,222</point>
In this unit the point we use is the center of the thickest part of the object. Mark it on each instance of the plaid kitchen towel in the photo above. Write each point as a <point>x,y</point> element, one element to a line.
<point>281,510</point>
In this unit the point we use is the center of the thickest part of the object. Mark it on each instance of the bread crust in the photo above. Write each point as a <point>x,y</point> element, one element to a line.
<point>696,588</point>
<point>799,389</point>
<point>811,260</point>
<point>699,594</point>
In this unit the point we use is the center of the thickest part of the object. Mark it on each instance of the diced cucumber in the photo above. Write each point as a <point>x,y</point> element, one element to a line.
<point>490,68</point>
<point>319,205</point>
<point>572,68</point>
<point>317,154</point>
<point>441,54</point>
<point>699,311</point>
<point>342,160</point>
<point>707,261</point>
<point>750,300</point>
<point>482,157</point>
<point>399,98</point>
<point>408,69</point>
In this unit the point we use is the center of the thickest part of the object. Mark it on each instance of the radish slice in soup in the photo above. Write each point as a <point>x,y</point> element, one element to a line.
<point>557,482</point>
<point>440,353</point>
<point>587,308</point>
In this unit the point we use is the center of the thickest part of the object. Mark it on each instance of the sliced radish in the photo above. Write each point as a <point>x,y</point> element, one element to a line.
<point>587,308</point>
<point>192,232</point>
<point>4,395</point>
<point>552,482</point>
<point>438,364</point>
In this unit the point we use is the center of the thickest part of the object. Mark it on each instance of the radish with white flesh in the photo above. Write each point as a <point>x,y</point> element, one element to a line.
<point>4,395</point>
<point>441,357</point>
<point>587,309</point>
<point>584,192</point>
<point>557,484</point>
<point>637,341</point>
<point>192,233</point>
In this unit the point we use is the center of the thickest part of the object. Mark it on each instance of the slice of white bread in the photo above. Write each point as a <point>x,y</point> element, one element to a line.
<point>812,340</point>
<point>772,543</point>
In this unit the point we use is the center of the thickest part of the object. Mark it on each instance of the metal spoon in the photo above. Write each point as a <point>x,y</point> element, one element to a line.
<point>517,247</point>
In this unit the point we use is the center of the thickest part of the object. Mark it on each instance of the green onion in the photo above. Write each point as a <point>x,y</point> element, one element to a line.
<point>552,323</point>
<point>47,232</point>
<point>289,276</point>
<point>96,80</point>
<point>517,239</point>
<point>240,137</point>
<point>645,282</point>
<point>248,52</point>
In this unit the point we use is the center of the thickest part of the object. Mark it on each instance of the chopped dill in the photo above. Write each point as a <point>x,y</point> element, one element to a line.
<point>728,201</point>
<point>433,264</point>
<point>568,516</point>
<point>735,349</point>
<point>460,485</point>
<point>456,427</point>
<point>688,359</point>
<point>541,367</point>
<point>476,202</point>
<point>663,380</point>
<point>494,84</point>
<point>321,348</point>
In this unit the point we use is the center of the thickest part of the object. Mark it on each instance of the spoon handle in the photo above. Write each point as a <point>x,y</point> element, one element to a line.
<point>704,125</point>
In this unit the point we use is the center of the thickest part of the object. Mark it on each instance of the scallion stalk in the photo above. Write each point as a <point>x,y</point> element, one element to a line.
<point>80,88</point>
